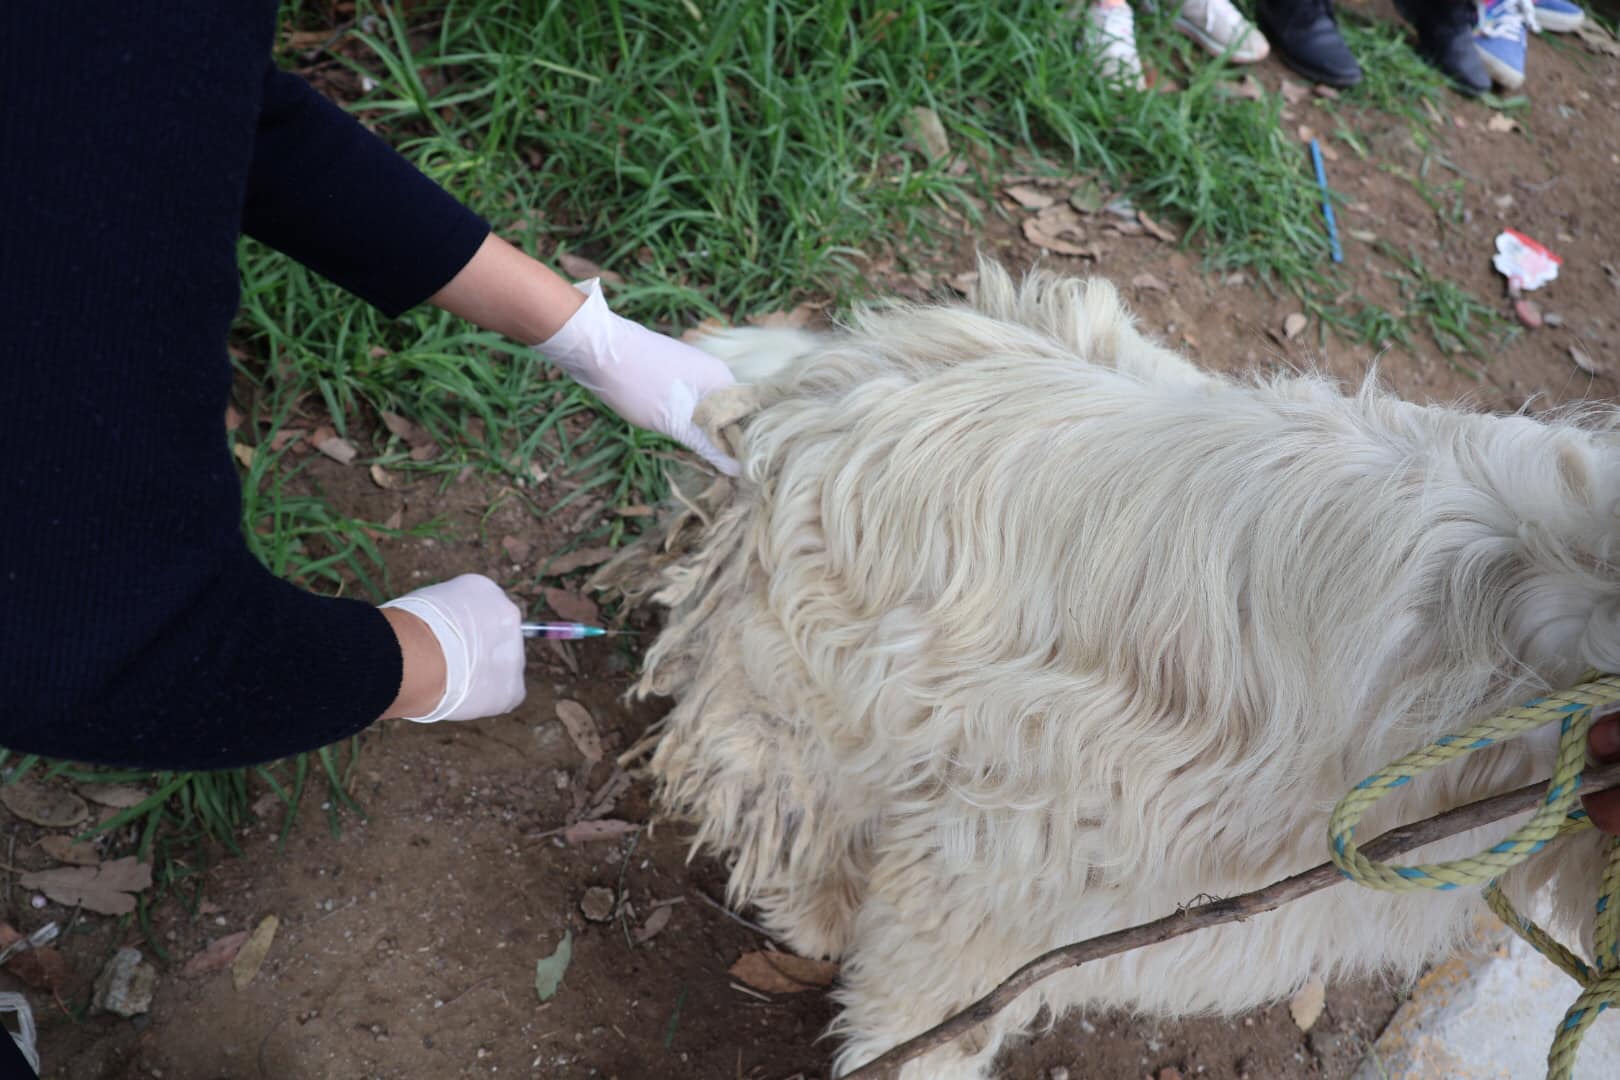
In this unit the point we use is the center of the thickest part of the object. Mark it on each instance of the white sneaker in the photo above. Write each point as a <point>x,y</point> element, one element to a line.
<point>1217,25</point>
<point>1111,34</point>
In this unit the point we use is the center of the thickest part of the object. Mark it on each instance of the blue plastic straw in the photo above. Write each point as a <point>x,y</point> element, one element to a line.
<point>1327,202</point>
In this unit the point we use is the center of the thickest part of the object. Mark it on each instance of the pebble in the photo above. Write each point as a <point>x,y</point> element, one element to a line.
<point>598,904</point>
<point>38,901</point>
<point>1552,318</point>
<point>1058,1073</point>
<point>1529,313</point>
<point>125,985</point>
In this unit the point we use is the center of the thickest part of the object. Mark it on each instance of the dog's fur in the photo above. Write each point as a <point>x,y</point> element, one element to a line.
<point>1018,628</point>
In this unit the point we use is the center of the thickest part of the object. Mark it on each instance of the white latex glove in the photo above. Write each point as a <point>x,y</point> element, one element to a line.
<point>477,629</point>
<point>651,380</point>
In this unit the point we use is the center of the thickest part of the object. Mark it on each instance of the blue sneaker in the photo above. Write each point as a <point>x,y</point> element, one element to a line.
<point>1501,37</point>
<point>1559,16</point>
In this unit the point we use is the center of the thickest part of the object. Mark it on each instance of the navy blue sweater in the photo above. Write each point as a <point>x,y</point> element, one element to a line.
<point>137,142</point>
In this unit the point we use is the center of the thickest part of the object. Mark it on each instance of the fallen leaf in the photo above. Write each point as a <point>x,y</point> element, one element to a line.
<point>122,796</point>
<point>634,510</point>
<point>598,903</point>
<point>43,968</point>
<point>1058,229</point>
<point>517,549</point>
<point>1248,87</point>
<point>1322,90</point>
<point>250,957</point>
<point>965,282</point>
<point>106,889</point>
<point>1294,92</point>
<point>585,832</point>
<point>1501,123</point>
<point>581,268</point>
<point>782,973</point>
<point>572,606</point>
<point>655,922</point>
<point>1306,133</point>
<point>1596,38</point>
<point>607,796</point>
<point>927,129</point>
<point>339,449</point>
<point>233,418</point>
<point>299,40</point>
<point>692,335</point>
<point>52,807</point>
<point>1029,197</point>
<point>400,426</point>
<point>581,728</point>
<point>580,558</point>
<point>548,972</point>
<point>244,454</point>
<point>1306,1005</point>
<point>64,849</point>
<point>395,520</point>
<point>1155,228</point>
<point>218,956</point>
<point>1363,235</point>
<point>376,352</point>
<point>799,316</point>
<point>1149,282</point>
<point>425,452</point>
<point>1087,197</point>
<point>1294,325</point>
<point>280,439</point>
<point>1583,361</point>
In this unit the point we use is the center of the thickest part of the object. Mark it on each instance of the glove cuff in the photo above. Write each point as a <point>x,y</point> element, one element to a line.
<point>585,342</point>
<point>457,661</point>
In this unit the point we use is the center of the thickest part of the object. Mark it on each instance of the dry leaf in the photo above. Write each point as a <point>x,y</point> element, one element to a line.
<point>1029,197</point>
<point>1058,229</point>
<point>395,520</point>
<point>244,454</point>
<point>1306,1006</point>
<point>1294,325</point>
<point>425,452</point>
<point>1248,87</point>
<point>122,796</point>
<point>381,477</point>
<point>398,425</point>
<point>692,335</point>
<point>280,439</point>
<point>655,922</point>
<point>233,418</point>
<point>799,316</point>
<point>1306,133</point>
<point>516,548</point>
<point>1294,92</point>
<point>580,558</point>
<point>634,510</point>
<point>584,832</point>
<point>250,958</point>
<point>64,849</point>
<point>1583,361</point>
<point>581,728</point>
<point>339,449</point>
<point>782,973</point>
<point>928,131</point>
<point>1597,39</point>
<point>299,40</point>
<point>964,283</point>
<point>1322,90</point>
<point>52,807</point>
<point>1087,197</point>
<point>43,968</point>
<point>218,956</point>
<point>1155,228</point>
<point>106,889</point>
<point>548,972</point>
<point>1501,123</point>
<point>579,267</point>
<point>572,606</point>
<point>1149,282</point>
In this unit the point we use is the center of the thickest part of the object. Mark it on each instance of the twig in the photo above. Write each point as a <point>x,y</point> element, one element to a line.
<point>732,915</point>
<point>624,867</point>
<point>1395,842</point>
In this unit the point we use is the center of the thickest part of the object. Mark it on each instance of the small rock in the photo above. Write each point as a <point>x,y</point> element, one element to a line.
<point>1058,1073</point>
<point>598,904</point>
<point>1583,361</point>
<point>125,985</point>
<point>1529,313</point>
<point>1552,318</point>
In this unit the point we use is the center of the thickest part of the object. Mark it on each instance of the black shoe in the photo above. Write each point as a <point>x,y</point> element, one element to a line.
<point>1307,39</point>
<point>1445,32</point>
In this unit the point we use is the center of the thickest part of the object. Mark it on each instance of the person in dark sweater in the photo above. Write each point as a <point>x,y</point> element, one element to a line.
<point>137,144</point>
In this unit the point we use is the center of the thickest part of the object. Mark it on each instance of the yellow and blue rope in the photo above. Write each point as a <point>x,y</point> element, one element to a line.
<point>1559,815</point>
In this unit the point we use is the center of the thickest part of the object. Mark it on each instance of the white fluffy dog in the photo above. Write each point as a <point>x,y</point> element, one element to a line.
<point>1018,629</point>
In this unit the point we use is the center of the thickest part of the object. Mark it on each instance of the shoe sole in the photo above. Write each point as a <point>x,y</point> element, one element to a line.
<point>1243,54</point>
<point>1559,23</point>
<point>1500,72</point>
<point>1316,75</point>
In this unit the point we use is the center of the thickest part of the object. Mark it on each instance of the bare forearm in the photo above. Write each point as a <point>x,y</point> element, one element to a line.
<point>422,684</point>
<point>504,290</point>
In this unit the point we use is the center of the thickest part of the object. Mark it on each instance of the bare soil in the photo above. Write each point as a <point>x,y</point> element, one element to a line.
<point>408,944</point>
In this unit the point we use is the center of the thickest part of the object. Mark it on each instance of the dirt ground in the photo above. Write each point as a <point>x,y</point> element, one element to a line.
<point>407,946</point>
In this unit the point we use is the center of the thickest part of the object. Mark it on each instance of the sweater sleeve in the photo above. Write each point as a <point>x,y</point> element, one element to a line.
<point>341,201</point>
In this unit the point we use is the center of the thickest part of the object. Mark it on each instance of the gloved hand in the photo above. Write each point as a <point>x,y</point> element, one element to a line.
<point>651,380</point>
<point>477,629</point>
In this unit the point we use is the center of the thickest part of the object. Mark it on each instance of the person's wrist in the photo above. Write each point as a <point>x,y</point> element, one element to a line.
<point>423,674</point>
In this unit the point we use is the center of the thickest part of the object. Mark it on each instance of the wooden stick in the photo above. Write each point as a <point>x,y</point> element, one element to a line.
<point>1233,909</point>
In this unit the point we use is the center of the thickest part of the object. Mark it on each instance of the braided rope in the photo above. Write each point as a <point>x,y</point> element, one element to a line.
<point>1559,815</point>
